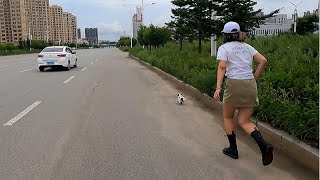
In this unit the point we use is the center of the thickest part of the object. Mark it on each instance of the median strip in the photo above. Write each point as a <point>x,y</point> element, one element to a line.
<point>23,113</point>
<point>68,80</point>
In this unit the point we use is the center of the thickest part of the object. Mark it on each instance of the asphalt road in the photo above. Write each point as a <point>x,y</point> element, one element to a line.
<point>111,118</point>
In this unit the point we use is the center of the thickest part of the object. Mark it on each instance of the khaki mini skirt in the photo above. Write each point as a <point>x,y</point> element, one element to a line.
<point>241,93</point>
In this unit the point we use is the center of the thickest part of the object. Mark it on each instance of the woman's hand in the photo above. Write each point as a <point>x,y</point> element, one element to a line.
<point>217,94</point>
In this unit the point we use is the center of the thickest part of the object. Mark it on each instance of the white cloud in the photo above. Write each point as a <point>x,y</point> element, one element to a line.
<point>109,30</point>
<point>130,3</point>
<point>161,20</point>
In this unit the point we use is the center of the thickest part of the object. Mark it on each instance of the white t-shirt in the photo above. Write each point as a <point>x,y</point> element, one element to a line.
<point>239,57</point>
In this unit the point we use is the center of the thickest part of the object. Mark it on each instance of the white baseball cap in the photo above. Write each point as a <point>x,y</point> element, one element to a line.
<point>231,27</point>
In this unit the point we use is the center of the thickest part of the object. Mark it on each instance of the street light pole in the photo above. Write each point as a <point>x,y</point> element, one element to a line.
<point>295,16</point>
<point>29,34</point>
<point>214,37</point>
<point>142,12</point>
<point>77,38</point>
<point>47,34</point>
<point>131,18</point>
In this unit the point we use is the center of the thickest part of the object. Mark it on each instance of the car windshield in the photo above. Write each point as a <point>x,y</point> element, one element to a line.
<point>52,50</point>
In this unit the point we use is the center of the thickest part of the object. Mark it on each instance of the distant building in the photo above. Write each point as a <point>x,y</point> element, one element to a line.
<point>260,14</point>
<point>37,16</point>
<point>63,26</point>
<point>79,33</point>
<point>278,19</point>
<point>35,20</point>
<point>92,35</point>
<point>137,22</point>
<point>82,41</point>
<point>314,12</point>
<point>273,26</point>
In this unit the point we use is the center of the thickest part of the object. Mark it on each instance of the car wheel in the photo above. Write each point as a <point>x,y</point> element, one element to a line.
<point>68,67</point>
<point>76,63</point>
<point>41,69</point>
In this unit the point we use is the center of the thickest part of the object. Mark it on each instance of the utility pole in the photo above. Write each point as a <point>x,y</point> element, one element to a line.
<point>142,11</point>
<point>214,38</point>
<point>47,16</point>
<point>47,33</point>
<point>77,37</point>
<point>295,16</point>
<point>29,34</point>
<point>132,20</point>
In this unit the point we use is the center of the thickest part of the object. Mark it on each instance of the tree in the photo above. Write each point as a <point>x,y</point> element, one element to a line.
<point>146,37</point>
<point>242,12</point>
<point>134,41</point>
<point>39,44</point>
<point>179,29</point>
<point>165,35</point>
<point>72,44</point>
<point>140,35</point>
<point>126,41</point>
<point>153,36</point>
<point>196,16</point>
<point>10,47</point>
<point>307,24</point>
<point>21,44</point>
<point>158,36</point>
<point>28,43</point>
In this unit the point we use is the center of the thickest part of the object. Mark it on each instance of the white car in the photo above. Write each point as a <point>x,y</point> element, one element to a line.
<point>57,56</point>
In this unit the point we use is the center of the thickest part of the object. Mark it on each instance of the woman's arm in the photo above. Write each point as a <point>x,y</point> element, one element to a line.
<point>221,71</point>
<point>262,64</point>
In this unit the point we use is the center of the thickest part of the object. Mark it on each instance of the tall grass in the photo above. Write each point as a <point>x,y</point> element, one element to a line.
<point>288,89</point>
<point>18,51</point>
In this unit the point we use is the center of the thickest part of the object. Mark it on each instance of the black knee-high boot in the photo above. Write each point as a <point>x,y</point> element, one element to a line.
<point>232,150</point>
<point>265,148</point>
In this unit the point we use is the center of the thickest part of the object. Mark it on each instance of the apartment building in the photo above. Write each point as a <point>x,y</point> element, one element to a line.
<point>79,33</point>
<point>63,25</point>
<point>73,29</point>
<point>137,21</point>
<point>37,15</point>
<point>13,21</point>
<point>69,27</point>
<point>35,20</point>
<point>56,23</point>
<point>92,35</point>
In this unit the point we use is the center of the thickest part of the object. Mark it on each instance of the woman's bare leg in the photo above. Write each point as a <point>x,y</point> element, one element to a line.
<point>246,124</point>
<point>228,114</point>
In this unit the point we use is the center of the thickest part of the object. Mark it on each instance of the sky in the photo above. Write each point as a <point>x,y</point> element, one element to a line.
<point>113,17</point>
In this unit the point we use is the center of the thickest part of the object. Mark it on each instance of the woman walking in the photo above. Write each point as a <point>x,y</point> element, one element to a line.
<point>235,59</point>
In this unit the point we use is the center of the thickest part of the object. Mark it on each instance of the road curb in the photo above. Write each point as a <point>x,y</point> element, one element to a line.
<point>298,150</point>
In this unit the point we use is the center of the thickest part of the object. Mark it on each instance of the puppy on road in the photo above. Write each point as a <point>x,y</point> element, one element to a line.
<point>181,98</point>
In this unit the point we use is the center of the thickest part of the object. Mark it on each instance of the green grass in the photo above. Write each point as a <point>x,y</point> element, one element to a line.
<point>124,49</point>
<point>18,51</point>
<point>288,89</point>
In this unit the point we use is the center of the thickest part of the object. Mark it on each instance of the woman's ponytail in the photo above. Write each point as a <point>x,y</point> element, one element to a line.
<point>240,36</point>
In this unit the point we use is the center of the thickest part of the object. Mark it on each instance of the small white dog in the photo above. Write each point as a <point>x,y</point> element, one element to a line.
<point>181,99</point>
